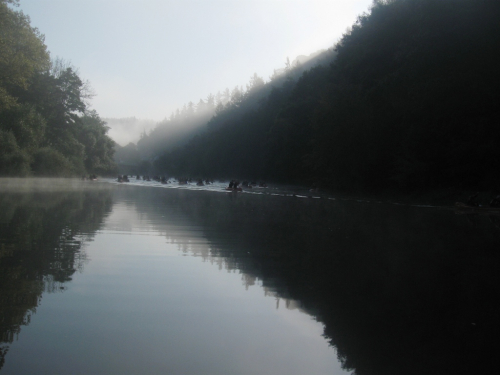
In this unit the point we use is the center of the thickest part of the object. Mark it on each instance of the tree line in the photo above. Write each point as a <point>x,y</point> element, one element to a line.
<point>46,126</point>
<point>407,100</point>
<point>182,125</point>
<point>191,120</point>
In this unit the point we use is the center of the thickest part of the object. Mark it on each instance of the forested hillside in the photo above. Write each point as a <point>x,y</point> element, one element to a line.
<point>410,101</point>
<point>191,120</point>
<point>46,127</point>
<point>407,99</point>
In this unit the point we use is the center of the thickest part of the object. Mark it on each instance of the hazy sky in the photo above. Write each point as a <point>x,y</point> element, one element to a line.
<point>145,58</point>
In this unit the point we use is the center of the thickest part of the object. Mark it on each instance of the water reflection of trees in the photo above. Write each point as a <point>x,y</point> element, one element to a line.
<point>400,290</point>
<point>42,236</point>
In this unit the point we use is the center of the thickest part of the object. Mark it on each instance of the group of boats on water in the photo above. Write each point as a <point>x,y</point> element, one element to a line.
<point>471,206</point>
<point>234,185</point>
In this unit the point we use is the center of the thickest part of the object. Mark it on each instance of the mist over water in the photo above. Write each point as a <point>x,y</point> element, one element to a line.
<point>47,185</point>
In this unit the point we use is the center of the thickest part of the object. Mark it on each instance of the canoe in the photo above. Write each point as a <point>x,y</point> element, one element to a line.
<point>234,189</point>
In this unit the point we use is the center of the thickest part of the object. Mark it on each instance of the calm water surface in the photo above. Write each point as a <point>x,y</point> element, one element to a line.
<point>103,278</point>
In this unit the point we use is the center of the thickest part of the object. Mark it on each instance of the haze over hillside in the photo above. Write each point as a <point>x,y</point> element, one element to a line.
<point>129,129</point>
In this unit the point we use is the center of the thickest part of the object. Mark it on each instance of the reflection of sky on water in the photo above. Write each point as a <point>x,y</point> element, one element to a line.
<point>145,304</point>
<point>139,279</point>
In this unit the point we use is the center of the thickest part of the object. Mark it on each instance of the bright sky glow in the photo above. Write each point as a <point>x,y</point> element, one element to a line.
<point>145,58</point>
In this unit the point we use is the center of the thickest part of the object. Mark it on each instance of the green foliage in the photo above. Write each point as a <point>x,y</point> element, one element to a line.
<point>43,108</point>
<point>22,53</point>
<point>99,148</point>
<point>50,162</point>
<point>27,125</point>
<point>13,161</point>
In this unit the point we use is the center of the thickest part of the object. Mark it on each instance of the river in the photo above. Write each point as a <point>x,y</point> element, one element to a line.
<point>144,278</point>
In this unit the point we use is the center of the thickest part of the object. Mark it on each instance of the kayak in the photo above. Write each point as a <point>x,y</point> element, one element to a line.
<point>234,189</point>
